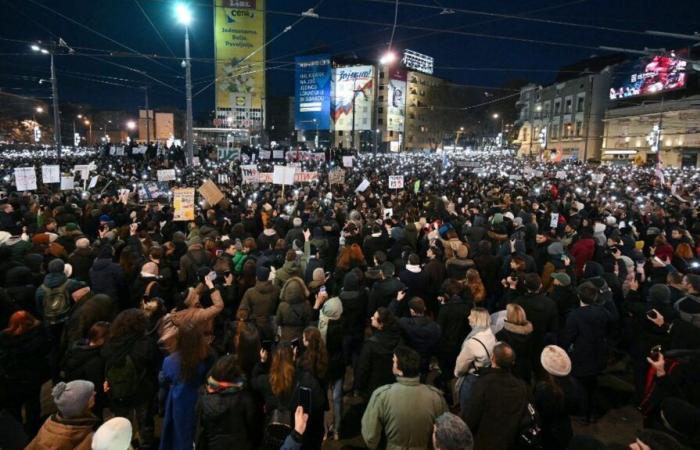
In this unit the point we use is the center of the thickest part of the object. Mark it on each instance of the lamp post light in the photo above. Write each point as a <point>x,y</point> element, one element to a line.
<point>184,16</point>
<point>89,124</point>
<point>54,94</point>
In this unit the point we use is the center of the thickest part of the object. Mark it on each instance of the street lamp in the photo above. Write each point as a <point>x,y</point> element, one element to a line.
<point>54,94</point>
<point>184,16</point>
<point>39,109</point>
<point>131,125</point>
<point>387,58</point>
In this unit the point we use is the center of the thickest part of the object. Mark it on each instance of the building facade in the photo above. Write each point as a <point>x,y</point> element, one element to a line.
<point>629,133</point>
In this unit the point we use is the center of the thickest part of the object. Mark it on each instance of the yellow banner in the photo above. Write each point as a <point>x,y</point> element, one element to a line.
<point>239,35</point>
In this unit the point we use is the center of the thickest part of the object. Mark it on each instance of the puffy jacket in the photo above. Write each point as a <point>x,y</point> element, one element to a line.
<point>58,433</point>
<point>292,317</point>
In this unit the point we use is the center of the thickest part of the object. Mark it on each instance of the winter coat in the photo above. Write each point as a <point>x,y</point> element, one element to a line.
<point>179,421</point>
<point>454,326</point>
<point>542,312</point>
<point>86,312</point>
<point>195,258</point>
<point>554,411</point>
<point>404,413</point>
<point>82,362</point>
<point>20,289</point>
<point>107,277</point>
<point>416,283</point>
<point>52,280</point>
<point>24,358</point>
<point>58,433</point>
<point>374,366</point>
<point>519,337</point>
<point>373,244</point>
<point>585,338</point>
<point>422,334</point>
<point>354,310</point>
<point>582,251</point>
<point>288,270</point>
<point>81,260</point>
<point>475,355</point>
<point>260,303</point>
<point>496,407</point>
<point>435,273</point>
<point>229,419</point>
<point>382,293</point>
<point>144,353</point>
<point>566,300</point>
<point>292,318</point>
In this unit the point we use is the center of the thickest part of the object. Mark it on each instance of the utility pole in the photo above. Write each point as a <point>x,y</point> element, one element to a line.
<point>188,88</point>
<point>56,112</point>
<point>148,117</point>
<point>352,133</point>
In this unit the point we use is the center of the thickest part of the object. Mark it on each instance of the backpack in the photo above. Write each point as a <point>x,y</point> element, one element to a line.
<point>125,379</point>
<point>56,303</point>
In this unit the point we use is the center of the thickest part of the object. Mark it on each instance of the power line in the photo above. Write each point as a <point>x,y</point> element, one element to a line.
<point>154,27</point>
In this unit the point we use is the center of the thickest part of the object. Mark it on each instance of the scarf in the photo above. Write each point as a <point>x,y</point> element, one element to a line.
<point>225,387</point>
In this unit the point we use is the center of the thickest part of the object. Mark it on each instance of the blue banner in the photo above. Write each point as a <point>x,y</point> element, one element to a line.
<point>312,100</point>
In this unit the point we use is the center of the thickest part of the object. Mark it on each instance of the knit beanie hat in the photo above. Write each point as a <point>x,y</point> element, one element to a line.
<point>72,398</point>
<point>555,249</point>
<point>56,266</point>
<point>562,278</point>
<point>115,434</point>
<point>555,361</point>
<point>659,293</point>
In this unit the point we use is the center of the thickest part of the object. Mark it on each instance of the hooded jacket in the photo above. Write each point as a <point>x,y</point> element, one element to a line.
<point>582,251</point>
<point>58,433</point>
<point>260,303</point>
<point>293,312</point>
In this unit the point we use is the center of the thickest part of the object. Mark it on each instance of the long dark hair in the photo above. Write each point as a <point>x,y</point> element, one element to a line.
<point>315,358</point>
<point>192,348</point>
<point>247,345</point>
<point>551,382</point>
<point>130,322</point>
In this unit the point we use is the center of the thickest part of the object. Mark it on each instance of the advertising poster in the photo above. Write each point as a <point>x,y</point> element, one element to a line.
<point>349,82</point>
<point>312,82</point>
<point>396,110</point>
<point>183,204</point>
<point>239,36</point>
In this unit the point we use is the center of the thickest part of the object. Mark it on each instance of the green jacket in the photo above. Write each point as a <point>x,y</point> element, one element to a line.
<point>238,260</point>
<point>404,412</point>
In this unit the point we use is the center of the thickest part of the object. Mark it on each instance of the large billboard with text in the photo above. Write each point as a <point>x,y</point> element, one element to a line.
<point>239,37</point>
<point>352,98</point>
<point>312,99</point>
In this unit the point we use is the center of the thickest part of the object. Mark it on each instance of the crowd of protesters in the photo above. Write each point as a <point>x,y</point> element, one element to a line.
<point>476,307</point>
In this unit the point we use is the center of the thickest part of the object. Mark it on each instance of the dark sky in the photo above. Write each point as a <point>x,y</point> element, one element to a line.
<point>473,59</point>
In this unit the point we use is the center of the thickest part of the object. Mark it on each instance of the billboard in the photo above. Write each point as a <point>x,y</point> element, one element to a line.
<point>651,76</point>
<point>312,99</point>
<point>239,36</point>
<point>349,82</point>
<point>396,110</point>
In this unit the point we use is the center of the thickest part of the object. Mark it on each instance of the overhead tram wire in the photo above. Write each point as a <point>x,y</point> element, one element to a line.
<point>102,35</point>
<point>160,36</point>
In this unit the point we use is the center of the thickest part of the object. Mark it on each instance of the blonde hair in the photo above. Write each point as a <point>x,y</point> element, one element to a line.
<point>479,318</point>
<point>515,314</point>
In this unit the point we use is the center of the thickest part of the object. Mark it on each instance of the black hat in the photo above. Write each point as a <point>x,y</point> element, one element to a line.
<point>262,273</point>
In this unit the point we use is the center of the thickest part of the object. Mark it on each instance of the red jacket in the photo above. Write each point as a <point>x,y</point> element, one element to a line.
<point>582,251</point>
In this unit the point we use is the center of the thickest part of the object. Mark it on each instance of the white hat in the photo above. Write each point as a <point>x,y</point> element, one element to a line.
<point>555,361</point>
<point>4,236</point>
<point>115,434</point>
<point>509,215</point>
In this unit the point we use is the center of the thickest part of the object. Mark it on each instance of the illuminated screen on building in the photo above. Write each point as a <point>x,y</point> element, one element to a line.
<point>312,97</point>
<point>396,113</point>
<point>650,76</point>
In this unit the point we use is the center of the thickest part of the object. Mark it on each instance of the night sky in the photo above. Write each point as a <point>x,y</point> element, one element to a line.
<point>364,30</point>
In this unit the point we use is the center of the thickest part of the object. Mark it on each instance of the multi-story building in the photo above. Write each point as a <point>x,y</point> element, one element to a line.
<point>654,113</point>
<point>569,112</point>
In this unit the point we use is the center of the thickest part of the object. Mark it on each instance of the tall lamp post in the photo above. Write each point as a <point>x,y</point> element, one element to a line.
<point>184,16</point>
<point>54,95</point>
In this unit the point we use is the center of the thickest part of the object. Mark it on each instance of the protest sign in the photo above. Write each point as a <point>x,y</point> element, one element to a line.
<point>336,176</point>
<point>363,186</point>
<point>249,174</point>
<point>195,161</point>
<point>166,175</point>
<point>67,183</point>
<point>227,153</point>
<point>25,178</point>
<point>83,170</point>
<point>211,192</point>
<point>223,178</point>
<point>283,175</point>
<point>264,177</point>
<point>51,174</point>
<point>305,177</point>
<point>553,220</point>
<point>560,175</point>
<point>395,181</point>
<point>152,191</point>
<point>278,154</point>
<point>264,155</point>
<point>93,182</point>
<point>347,161</point>
<point>183,204</point>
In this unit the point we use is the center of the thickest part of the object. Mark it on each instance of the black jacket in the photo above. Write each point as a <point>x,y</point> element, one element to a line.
<point>229,420</point>
<point>422,334</point>
<point>541,311</point>
<point>519,337</point>
<point>374,367</point>
<point>382,293</point>
<point>354,311</point>
<point>24,357</point>
<point>495,409</point>
<point>585,340</point>
<point>107,277</point>
<point>81,260</point>
<point>554,411</point>
<point>144,352</point>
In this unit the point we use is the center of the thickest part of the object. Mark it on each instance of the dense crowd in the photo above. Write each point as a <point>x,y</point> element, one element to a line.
<point>476,307</point>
